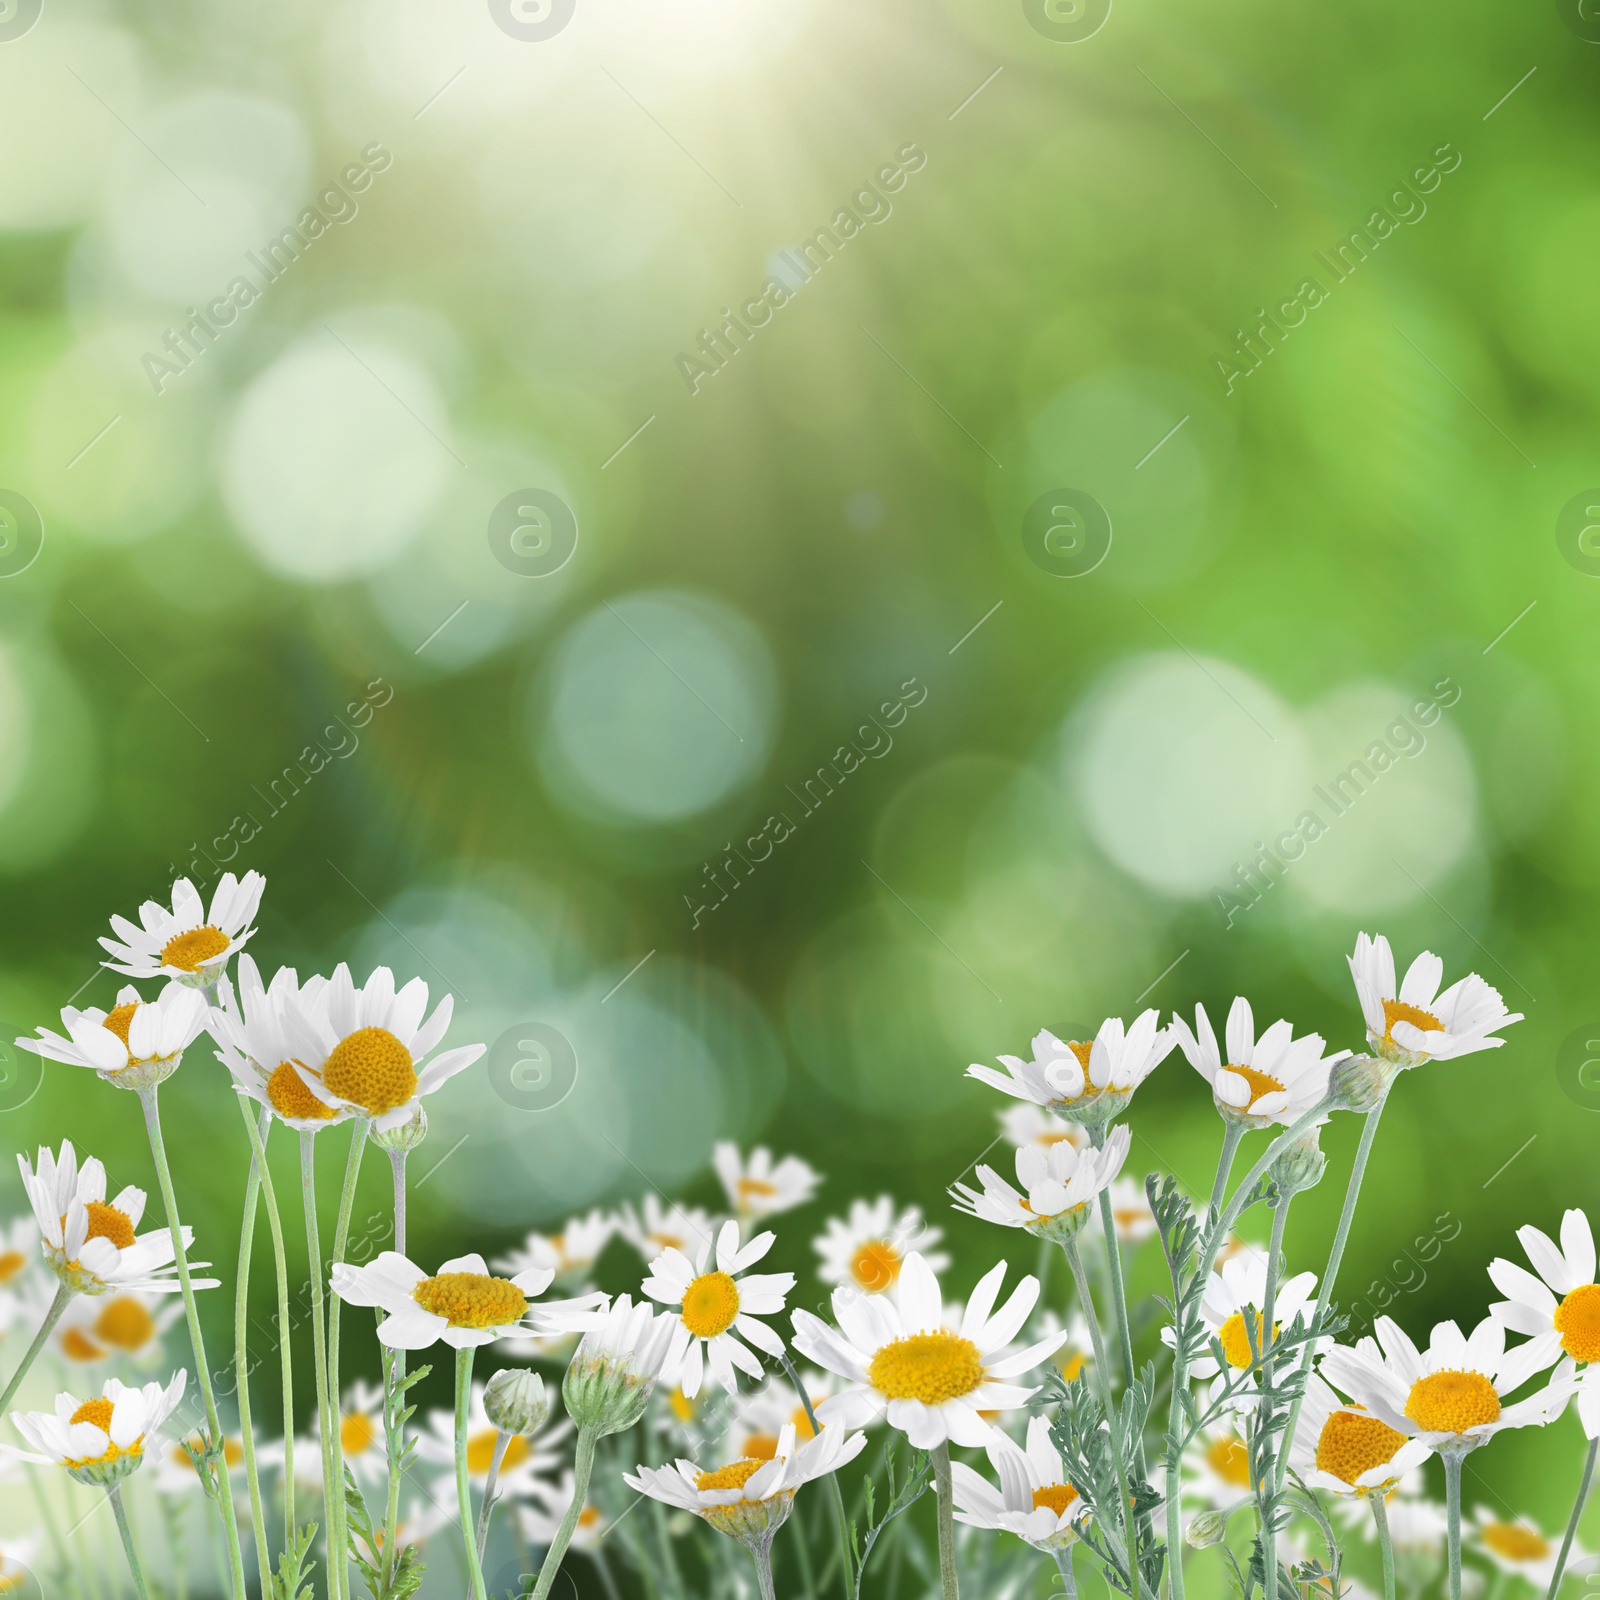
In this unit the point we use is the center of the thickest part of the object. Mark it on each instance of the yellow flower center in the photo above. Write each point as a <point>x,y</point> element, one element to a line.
<point>120,1018</point>
<point>1452,1402</point>
<point>683,1408</point>
<point>1353,1442</point>
<point>1514,1541</point>
<point>733,1476</point>
<point>1072,1364</point>
<point>710,1305</point>
<point>190,951</point>
<point>1130,1217</point>
<point>755,1189</point>
<point>356,1433</point>
<point>876,1265</point>
<point>1398,1011</point>
<point>1230,1460</point>
<point>802,1424</point>
<point>288,1095</point>
<point>11,1263</point>
<point>1057,1497</point>
<point>1235,1338</point>
<point>930,1367</point>
<point>1577,1320</point>
<point>124,1323</point>
<point>588,1517</point>
<point>480,1452</point>
<point>371,1069</point>
<point>761,1446</point>
<point>471,1299</point>
<point>1261,1083</point>
<point>76,1345</point>
<point>97,1411</point>
<point>106,1222</point>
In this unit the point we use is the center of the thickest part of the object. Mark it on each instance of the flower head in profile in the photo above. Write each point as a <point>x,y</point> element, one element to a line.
<point>903,1358</point>
<point>262,1036</point>
<point>613,1373</point>
<point>657,1226</point>
<point>1034,1499</point>
<point>719,1307</point>
<point>1413,1022</point>
<point>868,1247</point>
<point>760,1187</point>
<point>1059,1185</point>
<point>1518,1548</point>
<point>187,944</point>
<point>136,1044</point>
<point>1345,1450</point>
<point>1232,1310</point>
<point>1274,1079</point>
<point>1084,1081</point>
<point>102,1439</point>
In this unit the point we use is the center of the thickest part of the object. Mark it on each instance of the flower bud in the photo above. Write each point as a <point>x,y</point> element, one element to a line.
<point>1300,1166</point>
<point>1360,1082</point>
<point>1205,1530</point>
<point>407,1136</point>
<point>610,1378</point>
<point>516,1400</point>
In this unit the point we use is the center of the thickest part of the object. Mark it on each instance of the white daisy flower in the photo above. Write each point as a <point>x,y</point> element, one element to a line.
<point>1216,1467</point>
<point>127,1325</point>
<point>103,1438</point>
<point>1345,1450</point>
<point>902,1357</point>
<point>570,1254</point>
<point>1274,1079</point>
<point>135,1044</point>
<point>1131,1215</point>
<point>362,1436</point>
<point>762,1187</point>
<point>1081,1081</point>
<point>1231,1309</point>
<point>462,1303</point>
<point>94,1247</point>
<point>1568,1326</point>
<point>714,1305</point>
<point>1519,1548</point>
<point>185,944</point>
<point>175,1471</point>
<point>657,1227</point>
<point>367,1045</point>
<point>19,1249</point>
<point>1034,1500</point>
<point>1453,1395</point>
<point>263,1036</point>
<point>1060,1185</point>
<point>1413,1022</point>
<point>1026,1123</point>
<point>869,1247</point>
<point>528,1458</point>
<point>543,1515</point>
<point>762,1415</point>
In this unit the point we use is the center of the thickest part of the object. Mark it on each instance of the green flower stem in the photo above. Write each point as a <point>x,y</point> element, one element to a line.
<point>394,1430</point>
<point>582,1469</point>
<point>1218,1231</point>
<point>949,1588</point>
<point>1232,1132</point>
<point>1572,1521</point>
<point>1069,1583</point>
<point>1114,1270</point>
<point>1452,1511</point>
<point>59,1304</point>
<point>463,1484</point>
<point>169,1202</point>
<point>1266,1468</point>
<point>114,1494</point>
<point>840,1516</point>
<point>241,1329</point>
<point>501,1440</point>
<point>319,1347</point>
<point>761,1554</point>
<point>338,1554</point>
<point>1380,1517</point>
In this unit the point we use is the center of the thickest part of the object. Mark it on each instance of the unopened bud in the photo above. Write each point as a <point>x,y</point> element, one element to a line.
<point>1359,1083</point>
<point>407,1136</point>
<point>516,1400</point>
<point>1205,1530</point>
<point>1301,1165</point>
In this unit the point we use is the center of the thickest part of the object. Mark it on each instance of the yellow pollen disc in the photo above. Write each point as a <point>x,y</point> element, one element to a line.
<point>756,1189</point>
<point>710,1305</point>
<point>76,1345</point>
<point>190,951</point>
<point>288,1095</point>
<point>1129,1218</point>
<point>733,1476</point>
<point>682,1406</point>
<point>106,1222</point>
<point>876,1265</point>
<point>1514,1541</point>
<point>371,1069</point>
<point>120,1018</point>
<point>1057,1497</point>
<point>1577,1320</point>
<point>1072,1365</point>
<point>471,1299</point>
<point>1081,1048</point>
<point>1235,1338</point>
<point>11,1263</point>
<point>1230,1460</point>
<point>356,1433</point>
<point>1452,1402</point>
<point>97,1411</point>
<point>588,1517</point>
<point>480,1452</point>
<point>1260,1083</point>
<point>761,1446</point>
<point>1398,1011</point>
<point>930,1367</point>
<point>124,1323</point>
<point>802,1424</point>
<point>1353,1442</point>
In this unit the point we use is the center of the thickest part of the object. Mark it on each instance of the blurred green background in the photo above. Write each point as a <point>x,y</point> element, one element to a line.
<point>1045,297</point>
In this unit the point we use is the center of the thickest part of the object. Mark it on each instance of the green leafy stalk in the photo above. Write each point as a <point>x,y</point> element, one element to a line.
<point>1380,1517</point>
<point>114,1494</point>
<point>1452,1511</point>
<point>463,1483</point>
<point>949,1588</point>
<point>582,1470</point>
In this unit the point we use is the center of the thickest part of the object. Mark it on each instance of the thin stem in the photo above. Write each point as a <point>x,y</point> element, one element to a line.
<point>169,1202</point>
<point>51,1317</point>
<point>319,1346</point>
<point>947,1530</point>
<point>114,1494</point>
<point>1069,1582</point>
<point>1265,1467</point>
<point>501,1440</point>
<point>582,1468</point>
<point>1380,1517</point>
<point>241,1341</point>
<point>761,1553</point>
<point>337,1553</point>
<point>395,1370</point>
<point>840,1517</point>
<point>1452,1510</point>
<point>1108,1226</point>
<point>1232,1132</point>
<point>1572,1521</point>
<point>463,1484</point>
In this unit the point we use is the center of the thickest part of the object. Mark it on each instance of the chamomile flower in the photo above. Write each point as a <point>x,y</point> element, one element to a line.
<point>367,1046</point>
<point>1566,1326</point>
<point>1345,1450</point>
<point>263,1036</point>
<point>1131,1215</point>
<point>762,1416</point>
<point>1034,1500</point>
<point>1026,1123</point>
<point>714,1304</point>
<point>127,1325</point>
<point>1217,1465</point>
<point>1231,1308</point>
<point>102,1439</point>
<point>1414,1022</point>
<point>656,1227</point>
<point>1451,1396</point>
<point>362,1438</point>
<point>527,1457</point>
<point>136,1044</point>
<point>19,1249</point>
<point>1520,1549</point>
<point>903,1358</point>
<point>1060,1184</point>
<point>1274,1079</point>
<point>94,1247</point>
<point>869,1246</point>
<point>462,1303</point>
<point>1087,1082</point>
<point>186,944</point>
<point>761,1187</point>
<point>571,1254</point>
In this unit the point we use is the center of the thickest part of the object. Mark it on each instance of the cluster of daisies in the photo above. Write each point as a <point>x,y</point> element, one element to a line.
<point>704,1356</point>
